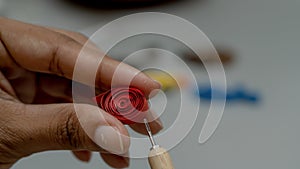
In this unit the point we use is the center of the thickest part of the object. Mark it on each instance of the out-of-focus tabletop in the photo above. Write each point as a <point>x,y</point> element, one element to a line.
<point>265,38</point>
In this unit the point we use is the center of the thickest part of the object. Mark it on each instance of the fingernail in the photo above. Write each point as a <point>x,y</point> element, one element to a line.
<point>111,140</point>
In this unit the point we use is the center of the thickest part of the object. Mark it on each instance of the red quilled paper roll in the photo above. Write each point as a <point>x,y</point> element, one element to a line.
<point>129,105</point>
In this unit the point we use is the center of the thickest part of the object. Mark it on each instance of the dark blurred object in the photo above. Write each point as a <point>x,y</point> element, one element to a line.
<point>225,55</point>
<point>119,4</point>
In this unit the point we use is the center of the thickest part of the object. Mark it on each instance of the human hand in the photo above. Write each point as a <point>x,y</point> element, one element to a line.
<point>37,113</point>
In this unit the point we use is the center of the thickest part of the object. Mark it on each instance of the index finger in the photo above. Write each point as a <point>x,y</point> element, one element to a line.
<point>39,49</point>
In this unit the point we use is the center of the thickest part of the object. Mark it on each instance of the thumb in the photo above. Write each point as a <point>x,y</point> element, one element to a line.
<point>75,127</point>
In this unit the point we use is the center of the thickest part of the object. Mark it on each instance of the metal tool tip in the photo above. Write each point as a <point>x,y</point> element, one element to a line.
<point>149,133</point>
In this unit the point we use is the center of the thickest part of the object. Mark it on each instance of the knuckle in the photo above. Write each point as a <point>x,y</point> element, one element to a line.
<point>60,49</point>
<point>68,132</point>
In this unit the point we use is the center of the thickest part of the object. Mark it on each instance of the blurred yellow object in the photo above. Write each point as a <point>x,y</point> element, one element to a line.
<point>166,80</point>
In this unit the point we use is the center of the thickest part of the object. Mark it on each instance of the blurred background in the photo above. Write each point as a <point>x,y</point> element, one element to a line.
<point>258,41</point>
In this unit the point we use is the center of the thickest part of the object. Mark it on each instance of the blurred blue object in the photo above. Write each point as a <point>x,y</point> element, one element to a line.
<point>238,93</point>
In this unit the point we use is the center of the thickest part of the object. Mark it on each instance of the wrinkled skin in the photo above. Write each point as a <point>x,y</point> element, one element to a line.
<point>37,113</point>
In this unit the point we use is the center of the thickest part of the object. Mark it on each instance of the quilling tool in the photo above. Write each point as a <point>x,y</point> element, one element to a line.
<point>158,157</point>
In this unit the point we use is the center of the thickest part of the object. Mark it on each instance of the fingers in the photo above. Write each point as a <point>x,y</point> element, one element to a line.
<point>75,35</point>
<point>6,87</point>
<point>82,39</point>
<point>115,161</point>
<point>55,86</point>
<point>83,155</point>
<point>59,127</point>
<point>53,52</point>
<point>119,77</point>
<point>5,166</point>
<point>114,73</point>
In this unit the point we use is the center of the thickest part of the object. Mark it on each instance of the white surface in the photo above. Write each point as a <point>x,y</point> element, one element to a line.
<point>265,37</point>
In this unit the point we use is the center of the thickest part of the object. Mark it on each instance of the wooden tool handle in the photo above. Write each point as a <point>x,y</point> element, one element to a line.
<point>159,158</point>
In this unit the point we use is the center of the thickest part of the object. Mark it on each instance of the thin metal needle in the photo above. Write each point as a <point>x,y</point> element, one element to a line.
<point>149,133</point>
